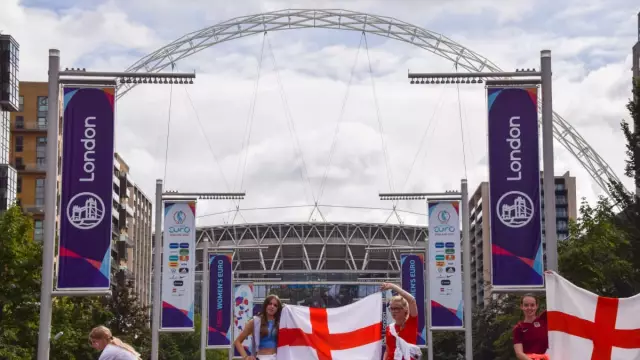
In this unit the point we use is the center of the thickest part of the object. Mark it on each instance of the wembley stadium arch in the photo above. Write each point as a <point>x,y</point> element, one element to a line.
<point>384,26</point>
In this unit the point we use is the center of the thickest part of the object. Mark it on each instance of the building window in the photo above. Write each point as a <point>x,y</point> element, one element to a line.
<point>19,122</point>
<point>19,184</point>
<point>43,106</point>
<point>42,123</point>
<point>560,187</point>
<point>19,144</point>
<point>19,163</point>
<point>41,150</point>
<point>38,230</point>
<point>561,200</point>
<point>21,104</point>
<point>562,225</point>
<point>40,192</point>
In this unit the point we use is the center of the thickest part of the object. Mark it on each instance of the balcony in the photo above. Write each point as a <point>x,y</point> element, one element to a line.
<point>115,213</point>
<point>116,180</point>
<point>115,195</point>
<point>34,168</point>
<point>34,209</point>
<point>29,126</point>
<point>129,209</point>
<point>124,237</point>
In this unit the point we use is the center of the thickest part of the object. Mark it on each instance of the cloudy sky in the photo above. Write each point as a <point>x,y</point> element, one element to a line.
<point>322,98</point>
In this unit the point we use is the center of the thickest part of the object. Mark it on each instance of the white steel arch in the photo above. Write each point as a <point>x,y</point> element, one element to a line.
<point>438,44</point>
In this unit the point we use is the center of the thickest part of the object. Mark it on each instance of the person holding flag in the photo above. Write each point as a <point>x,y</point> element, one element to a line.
<point>401,336</point>
<point>530,339</point>
<point>264,329</point>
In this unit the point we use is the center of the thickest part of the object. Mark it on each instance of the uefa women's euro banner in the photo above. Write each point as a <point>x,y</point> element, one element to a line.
<point>178,275</point>
<point>242,313</point>
<point>445,277</point>
<point>84,248</point>
<point>413,283</point>
<point>514,187</point>
<point>219,334</point>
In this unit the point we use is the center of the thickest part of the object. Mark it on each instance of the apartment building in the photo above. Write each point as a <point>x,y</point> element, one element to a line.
<point>9,66</point>
<point>131,226</point>
<point>28,150</point>
<point>479,228</point>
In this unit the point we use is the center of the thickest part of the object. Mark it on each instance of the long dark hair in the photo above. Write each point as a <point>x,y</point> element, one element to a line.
<point>264,323</point>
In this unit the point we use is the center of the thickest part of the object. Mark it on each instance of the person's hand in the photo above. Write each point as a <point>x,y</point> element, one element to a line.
<point>386,286</point>
<point>250,357</point>
<point>548,272</point>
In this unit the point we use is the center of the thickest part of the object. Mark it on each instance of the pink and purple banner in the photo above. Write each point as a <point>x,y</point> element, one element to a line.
<point>514,187</point>
<point>178,259</point>
<point>219,336</point>
<point>413,283</point>
<point>84,247</point>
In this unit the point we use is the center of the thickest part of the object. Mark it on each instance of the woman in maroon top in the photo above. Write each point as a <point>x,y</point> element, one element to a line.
<point>530,335</point>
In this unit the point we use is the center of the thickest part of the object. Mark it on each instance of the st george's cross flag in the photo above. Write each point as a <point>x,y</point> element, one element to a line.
<point>351,332</point>
<point>584,326</point>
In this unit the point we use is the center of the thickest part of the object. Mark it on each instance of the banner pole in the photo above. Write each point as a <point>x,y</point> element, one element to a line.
<point>46,289</point>
<point>157,260</point>
<point>427,282</point>
<point>550,236</point>
<point>466,259</point>
<point>204,307</point>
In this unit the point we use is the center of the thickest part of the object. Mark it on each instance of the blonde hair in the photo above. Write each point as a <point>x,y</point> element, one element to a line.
<point>403,302</point>
<point>103,333</point>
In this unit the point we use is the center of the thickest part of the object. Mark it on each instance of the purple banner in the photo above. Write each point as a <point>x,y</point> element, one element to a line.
<point>86,191</point>
<point>514,187</point>
<point>413,283</point>
<point>219,336</point>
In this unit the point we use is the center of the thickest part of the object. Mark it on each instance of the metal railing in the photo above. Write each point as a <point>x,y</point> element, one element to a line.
<point>30,125</point>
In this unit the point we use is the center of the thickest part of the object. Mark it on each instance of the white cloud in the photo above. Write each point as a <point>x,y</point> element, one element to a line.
<point>591,87</point>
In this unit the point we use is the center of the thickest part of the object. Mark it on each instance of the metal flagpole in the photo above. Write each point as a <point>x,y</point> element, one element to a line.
<point>157,260</point>
<point>550,236</point>
<point>204,307</point>
<point>428,298</point>
<point>466,263</point>
<point>51,180</point>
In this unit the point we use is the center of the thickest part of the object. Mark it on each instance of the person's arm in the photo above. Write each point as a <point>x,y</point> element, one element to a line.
<point>385,355</point>
<point>248,329</point>
<point>520,355</point>
<point>413,305</point>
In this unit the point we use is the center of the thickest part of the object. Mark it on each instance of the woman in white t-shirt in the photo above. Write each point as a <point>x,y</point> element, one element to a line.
<point>112,348</point>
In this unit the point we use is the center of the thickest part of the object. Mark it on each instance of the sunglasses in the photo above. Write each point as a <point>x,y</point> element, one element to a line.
<point>394,308</point>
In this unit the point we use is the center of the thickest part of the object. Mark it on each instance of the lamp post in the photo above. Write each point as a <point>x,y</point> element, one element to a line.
<point>161,196</point>
<point>452,196</point>
<point>72,77</point>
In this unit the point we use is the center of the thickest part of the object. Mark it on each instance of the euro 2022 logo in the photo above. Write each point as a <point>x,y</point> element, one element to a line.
<point>179,229</point>
<point>515,209</point>
<point>179,217</point>
<point>444,216</point>
<point>85,211</point>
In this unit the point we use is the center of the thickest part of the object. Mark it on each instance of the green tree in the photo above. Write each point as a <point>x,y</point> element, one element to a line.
<point>130,320</point>
<point>20,259</point>
<point>186,346</point>
<point>598,255</point>
<point>73,318</point>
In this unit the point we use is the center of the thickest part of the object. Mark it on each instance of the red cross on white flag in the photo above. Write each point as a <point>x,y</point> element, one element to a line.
<point>351,332</point>
<point>584,326</point>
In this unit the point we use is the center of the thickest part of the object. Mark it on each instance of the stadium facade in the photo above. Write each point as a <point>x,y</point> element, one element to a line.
<point>320,264</point>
